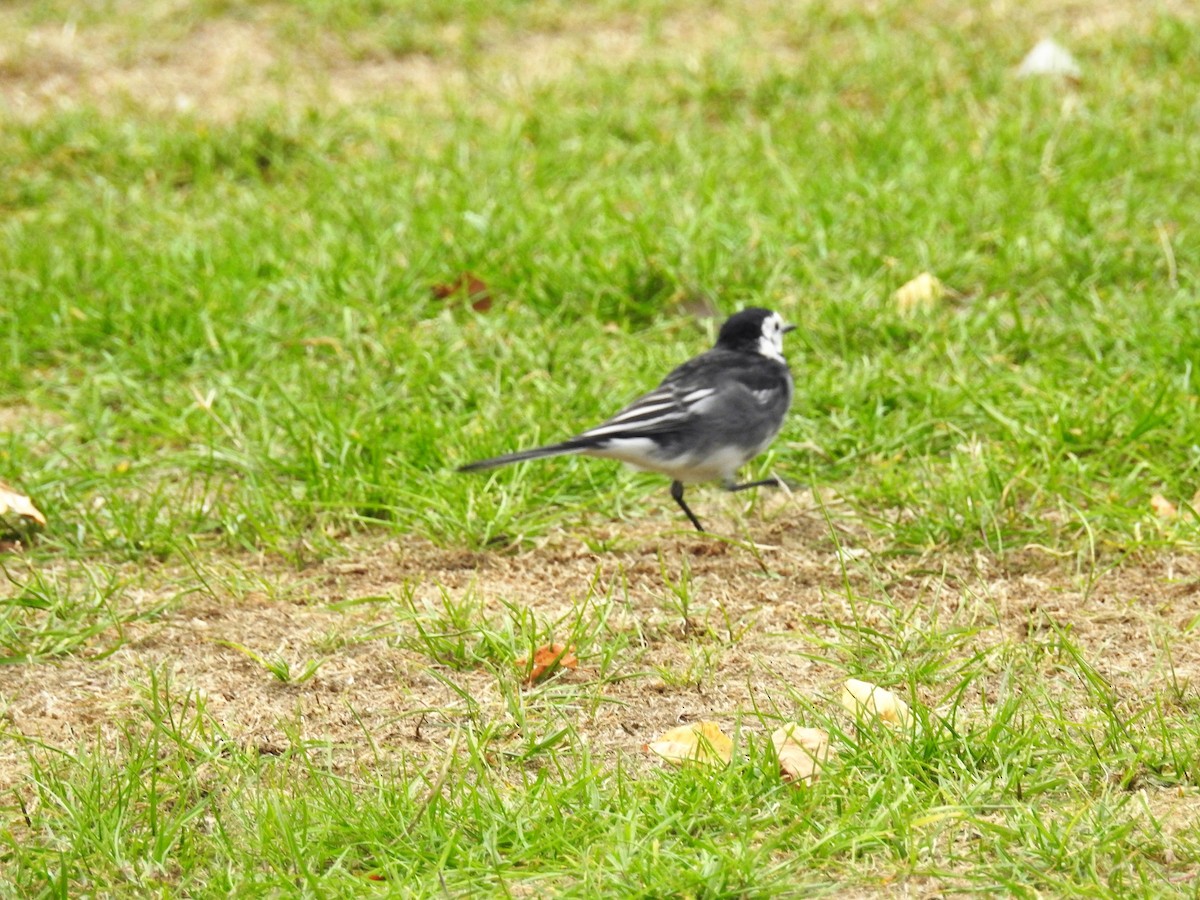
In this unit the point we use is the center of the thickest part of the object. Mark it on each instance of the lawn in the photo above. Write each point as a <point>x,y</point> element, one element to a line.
<point>271,271</point>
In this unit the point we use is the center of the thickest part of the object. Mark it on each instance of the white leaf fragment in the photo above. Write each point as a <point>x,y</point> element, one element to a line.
<point>1049,58</point>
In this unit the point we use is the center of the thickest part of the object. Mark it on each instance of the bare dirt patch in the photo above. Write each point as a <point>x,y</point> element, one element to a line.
<point>228,67</point>
<point>231,65</point>
<point>759,630</point>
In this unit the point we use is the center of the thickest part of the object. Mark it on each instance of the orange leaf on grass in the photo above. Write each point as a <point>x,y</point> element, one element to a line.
<point>468,288</point>
<point>701,742</point>
<point>548,659</point>
<point>1163,508</point>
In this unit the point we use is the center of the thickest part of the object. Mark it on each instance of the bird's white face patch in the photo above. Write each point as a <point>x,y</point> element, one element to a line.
<point>770,344</point>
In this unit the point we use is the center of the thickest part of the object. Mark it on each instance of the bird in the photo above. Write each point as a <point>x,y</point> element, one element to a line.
<point>707,418</point>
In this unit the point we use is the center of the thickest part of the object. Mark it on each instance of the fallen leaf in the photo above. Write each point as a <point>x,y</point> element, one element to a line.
<point>1049,58</point>
<point>694,304</point>
<point>548,659</point>
<point>701,742</point>
<point>859,697</point>
<point>13,502</point>
<point>919,294</point>
<point>468,288</point>
<point>801,751</point>
<point>324,341</point>
<point>1163,508</point>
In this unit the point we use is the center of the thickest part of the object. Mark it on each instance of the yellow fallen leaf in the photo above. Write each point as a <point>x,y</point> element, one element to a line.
<point>919,294</point>
<point>1163,508</point>
<point>702,742</point>
<point>933,818</point>
<point>859,697</point>
<point>13,502</point>
<point>801,751</point>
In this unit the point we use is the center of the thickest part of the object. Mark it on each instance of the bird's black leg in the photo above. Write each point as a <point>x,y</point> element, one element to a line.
<point>677,493</point>
<point>766,482</point>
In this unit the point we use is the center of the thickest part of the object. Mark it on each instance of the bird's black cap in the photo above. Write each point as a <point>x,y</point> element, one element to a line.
<point>743,329</point>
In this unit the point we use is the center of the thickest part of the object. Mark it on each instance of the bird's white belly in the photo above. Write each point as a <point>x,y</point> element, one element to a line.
<point>721,465</point>
<point>718,466</point>
<point>643,454</point>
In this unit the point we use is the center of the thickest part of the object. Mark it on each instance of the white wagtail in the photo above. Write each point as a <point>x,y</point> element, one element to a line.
<point>711,415</point>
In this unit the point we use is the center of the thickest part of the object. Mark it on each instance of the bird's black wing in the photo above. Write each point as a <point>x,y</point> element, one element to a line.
<point>688,392</point>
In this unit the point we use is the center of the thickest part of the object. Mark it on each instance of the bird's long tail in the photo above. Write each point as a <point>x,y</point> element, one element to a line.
<point>562,449</point>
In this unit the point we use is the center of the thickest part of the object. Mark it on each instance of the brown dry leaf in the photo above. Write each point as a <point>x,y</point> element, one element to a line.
<point>468,288</point>
<point>694,304</point>
<point>701,742</point>
<point>919,295</point>
<point>14,502</point>
<point>859,697</point>
<point>549,659</point>
<point>1163,508</point>
<point>801,752</point>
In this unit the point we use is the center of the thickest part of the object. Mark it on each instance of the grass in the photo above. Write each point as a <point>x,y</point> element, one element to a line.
<point>1036,790</point>
<point>220,341</point>
<point>226,288</point>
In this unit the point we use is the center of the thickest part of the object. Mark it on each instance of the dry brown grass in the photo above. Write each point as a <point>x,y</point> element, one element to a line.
<point>748,642</point>
<point>223,68</point>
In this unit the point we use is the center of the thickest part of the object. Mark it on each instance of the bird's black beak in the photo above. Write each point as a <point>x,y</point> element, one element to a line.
<point>787,328</point>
